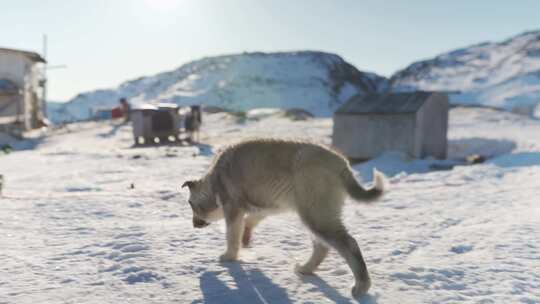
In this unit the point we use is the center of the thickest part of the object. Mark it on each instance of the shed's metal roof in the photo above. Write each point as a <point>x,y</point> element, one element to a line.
<point>383,103</point>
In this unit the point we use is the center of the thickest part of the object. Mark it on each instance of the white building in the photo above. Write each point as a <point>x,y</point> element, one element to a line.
<point>21,85</point>
<point>412,122</point>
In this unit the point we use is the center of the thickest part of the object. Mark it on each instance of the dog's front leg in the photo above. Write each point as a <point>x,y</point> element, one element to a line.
<point>234,220</point>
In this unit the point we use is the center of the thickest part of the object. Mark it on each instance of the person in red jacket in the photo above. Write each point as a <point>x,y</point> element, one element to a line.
<point>125,108</point>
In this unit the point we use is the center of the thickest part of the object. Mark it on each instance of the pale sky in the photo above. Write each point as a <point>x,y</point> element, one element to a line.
<point>105,42</point>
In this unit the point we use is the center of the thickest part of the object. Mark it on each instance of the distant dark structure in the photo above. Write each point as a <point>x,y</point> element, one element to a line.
<point>156,123</point>
<point>165,122</point>
<point>412,122</point>
<point>193,123</point>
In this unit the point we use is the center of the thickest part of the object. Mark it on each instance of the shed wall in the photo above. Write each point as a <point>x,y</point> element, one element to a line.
<point>367,136</point>
<point>142,124</point>
<point>432,127</point>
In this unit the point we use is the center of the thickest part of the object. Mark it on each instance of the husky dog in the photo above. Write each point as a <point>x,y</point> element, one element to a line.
<point>253,179</point>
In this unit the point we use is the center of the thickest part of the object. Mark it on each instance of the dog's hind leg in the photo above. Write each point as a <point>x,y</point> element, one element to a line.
<point>251,221</point>
<point>319,200</point>
<point>347,246</point>
<point>332,231</point>
<point>320,251</point>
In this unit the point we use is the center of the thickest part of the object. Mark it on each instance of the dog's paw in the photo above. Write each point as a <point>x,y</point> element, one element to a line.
<point>303,270</point>
<point>228,257</point>
<point>360,288</point>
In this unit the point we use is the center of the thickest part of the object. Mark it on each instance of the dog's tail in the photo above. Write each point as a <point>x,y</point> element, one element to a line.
<point>358,192</point>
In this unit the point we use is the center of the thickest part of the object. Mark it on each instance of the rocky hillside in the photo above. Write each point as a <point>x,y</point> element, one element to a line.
<point>315,81</point>
<point>500,74</point>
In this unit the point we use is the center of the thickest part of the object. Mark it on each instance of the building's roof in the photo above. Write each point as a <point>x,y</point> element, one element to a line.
<point>155,107</point>
<point>167,105</point>
<point>7,87</point>
<point>31,55</point>
<point>145,107</point>
<point>385,103</point>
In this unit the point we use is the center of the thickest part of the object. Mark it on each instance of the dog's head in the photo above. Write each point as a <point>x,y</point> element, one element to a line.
<point>204,203</point>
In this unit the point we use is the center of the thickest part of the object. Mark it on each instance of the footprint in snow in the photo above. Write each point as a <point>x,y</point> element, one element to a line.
<point>461,249</point>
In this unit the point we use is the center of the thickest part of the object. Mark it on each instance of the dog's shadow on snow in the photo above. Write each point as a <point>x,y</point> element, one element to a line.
<point>252,286</point>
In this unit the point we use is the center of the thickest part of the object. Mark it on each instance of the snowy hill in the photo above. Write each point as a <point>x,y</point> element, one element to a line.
<point>55,110</point>
<point>504,74</point>
<point>500,74</point>
<point>315,81</point>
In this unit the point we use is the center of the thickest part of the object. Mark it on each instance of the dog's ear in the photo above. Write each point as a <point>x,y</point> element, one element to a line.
<point>188,184</point>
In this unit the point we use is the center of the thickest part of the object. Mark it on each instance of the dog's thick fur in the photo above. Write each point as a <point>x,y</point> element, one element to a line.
<point>252,179</point>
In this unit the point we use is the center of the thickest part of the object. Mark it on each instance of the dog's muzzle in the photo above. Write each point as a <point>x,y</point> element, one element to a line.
<point>198,223</point>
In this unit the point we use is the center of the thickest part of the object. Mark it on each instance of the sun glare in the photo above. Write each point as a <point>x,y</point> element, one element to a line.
<point>162,4</point>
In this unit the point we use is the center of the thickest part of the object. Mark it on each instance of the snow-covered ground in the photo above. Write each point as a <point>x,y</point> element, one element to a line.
<point>74,230</point>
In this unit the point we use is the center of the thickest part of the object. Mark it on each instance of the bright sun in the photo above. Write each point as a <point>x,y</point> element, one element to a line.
<point>162,4</point>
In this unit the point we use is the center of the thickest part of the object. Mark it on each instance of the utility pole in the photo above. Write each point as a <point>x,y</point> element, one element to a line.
<point>44,81</point>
